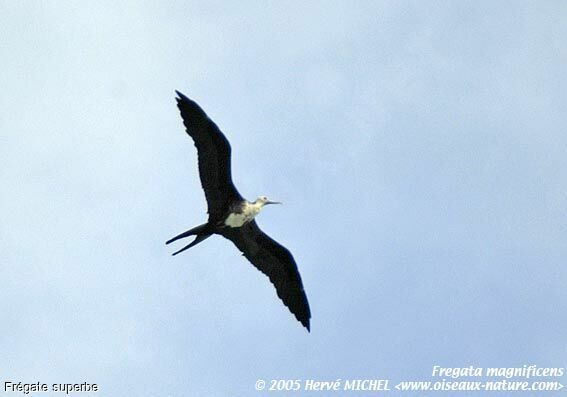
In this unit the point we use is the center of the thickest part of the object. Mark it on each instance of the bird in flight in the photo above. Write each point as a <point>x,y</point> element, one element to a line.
<point>232,217</point>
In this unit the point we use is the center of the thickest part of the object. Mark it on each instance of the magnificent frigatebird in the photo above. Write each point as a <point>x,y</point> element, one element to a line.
<point>231,216</point>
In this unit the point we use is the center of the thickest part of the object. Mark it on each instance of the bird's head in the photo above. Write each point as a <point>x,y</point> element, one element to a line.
<point>263,200</point>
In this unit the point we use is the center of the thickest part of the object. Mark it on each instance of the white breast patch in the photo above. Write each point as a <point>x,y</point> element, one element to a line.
<point>235,220</point>
<point>249,211</point>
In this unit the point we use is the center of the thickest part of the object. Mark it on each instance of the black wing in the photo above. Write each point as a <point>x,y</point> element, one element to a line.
<point>276,262</point>
<point>213,151</point>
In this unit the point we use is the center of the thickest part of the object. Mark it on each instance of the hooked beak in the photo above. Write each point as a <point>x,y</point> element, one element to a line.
<point>273,202</point>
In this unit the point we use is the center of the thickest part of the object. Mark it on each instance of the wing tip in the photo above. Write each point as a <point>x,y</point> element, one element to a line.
<point>181,97</point>
<point>305,321</point>
<point>184,103</point>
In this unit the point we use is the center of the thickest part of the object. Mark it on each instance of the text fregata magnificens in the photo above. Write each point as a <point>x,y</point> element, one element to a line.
<point>231,216</point>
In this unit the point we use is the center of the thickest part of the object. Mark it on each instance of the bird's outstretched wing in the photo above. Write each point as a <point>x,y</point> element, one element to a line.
<point>213,152</point>
<point>276,262</point>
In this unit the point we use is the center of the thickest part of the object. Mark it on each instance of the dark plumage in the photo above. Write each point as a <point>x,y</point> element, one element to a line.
<point>232,217</point>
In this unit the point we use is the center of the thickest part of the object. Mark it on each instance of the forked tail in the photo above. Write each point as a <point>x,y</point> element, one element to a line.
<point>202,232</point>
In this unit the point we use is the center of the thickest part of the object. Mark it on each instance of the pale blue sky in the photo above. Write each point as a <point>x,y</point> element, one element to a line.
<point>419,147</point>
